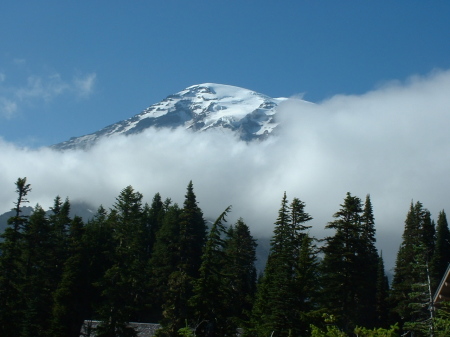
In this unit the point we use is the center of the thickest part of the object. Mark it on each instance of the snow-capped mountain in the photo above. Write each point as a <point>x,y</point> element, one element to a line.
<point>198,107</point>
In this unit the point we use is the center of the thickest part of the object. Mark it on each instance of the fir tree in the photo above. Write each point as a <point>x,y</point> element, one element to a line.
<point>123,283</point>
<point>192,234</point>
<point>382,293</point>
<point>277,293</point>
<point>306,282</point>
<point>369,272</point>
<point>71,298</point>
<point>192,237</point>
<point>240,257</point>
<point>441,256</point>
<point>59,222</point>
<point>154,216</point>
<point>11,271</point>
<point>39,273</point>
<point>210,289</point>
<point>410,292</point>
<point>164,259</point>
<point>99,245</point>
<point>348,256</point>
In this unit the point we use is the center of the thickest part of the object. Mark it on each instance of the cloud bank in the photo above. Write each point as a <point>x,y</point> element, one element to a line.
<point>391,143</point>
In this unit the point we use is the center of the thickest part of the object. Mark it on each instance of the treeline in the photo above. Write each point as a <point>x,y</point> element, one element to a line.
<point>162,263</point>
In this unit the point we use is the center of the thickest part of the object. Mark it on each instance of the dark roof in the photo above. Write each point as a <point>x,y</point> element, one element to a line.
<point>443,291</point>
<point>142,329</point>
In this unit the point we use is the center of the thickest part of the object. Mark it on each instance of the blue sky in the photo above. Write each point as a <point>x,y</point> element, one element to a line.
<point>71,68</point>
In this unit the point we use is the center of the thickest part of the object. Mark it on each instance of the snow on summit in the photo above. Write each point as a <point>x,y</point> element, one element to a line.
<point>198,108</point>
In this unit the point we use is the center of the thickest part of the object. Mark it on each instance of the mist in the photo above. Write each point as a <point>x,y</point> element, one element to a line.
<point>391,143</point>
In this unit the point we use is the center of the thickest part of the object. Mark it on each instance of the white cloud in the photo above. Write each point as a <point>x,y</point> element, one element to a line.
<point>84,85</point>
<point>41,88</point>
<point>7,108</point>
<point>392,143</point>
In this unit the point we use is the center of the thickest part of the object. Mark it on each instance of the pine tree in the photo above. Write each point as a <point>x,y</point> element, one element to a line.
<point>11,272</point>
<point>348,255</point>
<point>59,222</point>
<point>154,219</point>
<point>382,293</point>
<point>164,259</point>
<point>210,289</point>
<point>369,267</point>
<point>71,298</point>
<point>100,247</point>
<point>123,284</point>
<point>306,282</point>
<point>39,273</point>
<point>192,237</point>
<point>277,293</point>
<point>410,292</point>
<point>441,256</point>
<point>240,257</point>
<point>192,234</point>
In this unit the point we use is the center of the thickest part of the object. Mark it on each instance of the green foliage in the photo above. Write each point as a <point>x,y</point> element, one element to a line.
<point>164,259</point>
<point>349,267</point>
<point>240,272</point>
<point>441,257</point>
<point>123,284</point>
<point>11,266</point>
<point>331,330</point>
<point>156,263</point>
<point>441,325</point>
<point>191,240</point>
<point>382,294</point>
<point>410,292</point>
<point>71,297</point>
<point>209,290</point>
<point>282,300</point>
<point>186,331</point>
<point>377,332</point>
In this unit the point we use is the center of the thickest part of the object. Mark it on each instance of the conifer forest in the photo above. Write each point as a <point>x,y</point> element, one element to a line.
<point>163,263</point>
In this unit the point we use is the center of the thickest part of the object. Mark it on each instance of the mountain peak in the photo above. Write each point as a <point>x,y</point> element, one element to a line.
<point>198,108</point>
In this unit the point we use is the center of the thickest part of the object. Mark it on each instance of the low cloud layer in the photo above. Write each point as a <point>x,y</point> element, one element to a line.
<point>391,143</point>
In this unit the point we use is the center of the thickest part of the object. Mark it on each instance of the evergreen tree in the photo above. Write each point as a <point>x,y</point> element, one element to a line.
<point>11,272</point>
<point>39,273</point>
<point>71,298</point>
<point>211,291</point>
<point>278,292</point>
<point>100,247</point>
<point>410,293</point>
<point>192,234</point>
<point>240,257</point>
<point>306,285</point>
<point>369,267</point>
<point>441,256</point>
<point>154,216</point>
<point>123,284</point>
<point>192,237</point>
<point>164,259</point>
<point>59,222</point>
<point>382,293</point>
<point>348,256</point>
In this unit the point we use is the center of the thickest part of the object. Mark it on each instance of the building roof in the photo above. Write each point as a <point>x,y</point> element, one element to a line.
<point>443,291</point>
<point>142,329</point>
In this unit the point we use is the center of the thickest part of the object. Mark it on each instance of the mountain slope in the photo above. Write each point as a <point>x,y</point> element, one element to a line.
<point>198,107</point>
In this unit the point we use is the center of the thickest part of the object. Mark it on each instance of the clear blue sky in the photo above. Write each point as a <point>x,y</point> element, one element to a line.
<point>68,68</point>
